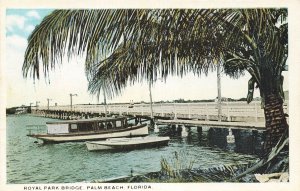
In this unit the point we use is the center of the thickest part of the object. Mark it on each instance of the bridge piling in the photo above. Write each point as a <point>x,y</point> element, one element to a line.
<point>199,129</point>
<point>184,132</point>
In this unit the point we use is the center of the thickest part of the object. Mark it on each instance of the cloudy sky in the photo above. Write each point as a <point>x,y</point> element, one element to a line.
<point>70,77</point>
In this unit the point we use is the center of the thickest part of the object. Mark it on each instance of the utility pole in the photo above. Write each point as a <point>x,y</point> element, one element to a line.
<point>36,104</point>
<point>219,93</point>
<point>105,105</point>
<point>71,95</point>
<point>30,107</point>
<point>151,106</point>
<point>48,100</point>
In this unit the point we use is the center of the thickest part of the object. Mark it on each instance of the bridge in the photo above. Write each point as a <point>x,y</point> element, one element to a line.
<point>206,111</point>
<point>181,117</point>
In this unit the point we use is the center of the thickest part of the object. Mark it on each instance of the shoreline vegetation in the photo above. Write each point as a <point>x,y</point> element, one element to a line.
<point>12,110</point>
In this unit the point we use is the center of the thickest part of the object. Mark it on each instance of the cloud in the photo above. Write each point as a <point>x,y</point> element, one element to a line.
<point>33,14</point>
<point>15,47</point>
<point>16,42</point>
<point>29,28</point>
<point>18,22</point>
<point>13,21</point>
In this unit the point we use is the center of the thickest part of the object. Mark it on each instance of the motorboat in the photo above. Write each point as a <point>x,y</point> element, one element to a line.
<point>89,130</point>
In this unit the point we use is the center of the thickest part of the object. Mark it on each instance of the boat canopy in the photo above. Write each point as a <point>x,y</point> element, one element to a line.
<point>58,128</point>
<point>86,125</point>
<point>92,120</point>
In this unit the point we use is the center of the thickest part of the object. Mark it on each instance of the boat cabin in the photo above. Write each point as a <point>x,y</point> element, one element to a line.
<point>86,125</point>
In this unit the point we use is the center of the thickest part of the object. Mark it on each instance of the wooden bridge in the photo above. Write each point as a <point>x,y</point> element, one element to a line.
<point>180,117</point>
<point>206,111</point>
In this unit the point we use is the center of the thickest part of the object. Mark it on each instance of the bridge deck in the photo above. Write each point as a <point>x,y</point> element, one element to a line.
<point>231,111</point>
<point>223,124</point>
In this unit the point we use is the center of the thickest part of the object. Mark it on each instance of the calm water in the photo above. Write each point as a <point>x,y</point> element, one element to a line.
<point>28,162</point>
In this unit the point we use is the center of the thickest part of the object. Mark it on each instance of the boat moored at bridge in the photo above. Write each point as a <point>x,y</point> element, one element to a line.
<point>89,129</point>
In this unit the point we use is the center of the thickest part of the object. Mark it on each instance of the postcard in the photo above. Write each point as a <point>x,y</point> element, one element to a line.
<point>146,95</point>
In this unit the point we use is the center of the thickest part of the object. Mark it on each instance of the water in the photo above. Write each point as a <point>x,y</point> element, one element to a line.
<point>28,162</point>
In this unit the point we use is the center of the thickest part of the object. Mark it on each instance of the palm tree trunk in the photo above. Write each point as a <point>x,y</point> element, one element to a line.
<point>275,121</point>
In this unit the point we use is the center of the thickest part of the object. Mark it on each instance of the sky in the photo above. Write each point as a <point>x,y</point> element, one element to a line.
<point>70,77</point>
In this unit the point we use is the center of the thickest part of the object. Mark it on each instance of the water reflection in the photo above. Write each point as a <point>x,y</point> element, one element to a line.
<point>247,141</point>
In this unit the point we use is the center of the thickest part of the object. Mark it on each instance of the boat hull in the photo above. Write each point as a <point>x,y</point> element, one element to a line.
<point>141,130</point>
<point>127,143</point>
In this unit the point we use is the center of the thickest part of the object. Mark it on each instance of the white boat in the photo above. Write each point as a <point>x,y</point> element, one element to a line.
<point>89,129</point>
<point>127,143</point>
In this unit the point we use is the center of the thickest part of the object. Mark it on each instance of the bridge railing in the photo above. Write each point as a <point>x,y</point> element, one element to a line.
<point>187,110</point>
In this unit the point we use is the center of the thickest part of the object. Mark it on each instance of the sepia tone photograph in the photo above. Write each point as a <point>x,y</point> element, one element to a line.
<point>99,96</point>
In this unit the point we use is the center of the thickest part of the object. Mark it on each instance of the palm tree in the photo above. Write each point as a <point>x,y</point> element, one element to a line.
<point>125,46</point>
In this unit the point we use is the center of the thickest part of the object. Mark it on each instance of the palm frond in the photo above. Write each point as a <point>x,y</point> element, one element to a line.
<point>128,45</point>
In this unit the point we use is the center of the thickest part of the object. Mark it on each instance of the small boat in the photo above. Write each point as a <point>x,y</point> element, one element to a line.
<point>127,143</point>
<point>89,130</point>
